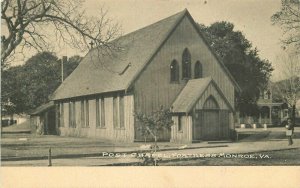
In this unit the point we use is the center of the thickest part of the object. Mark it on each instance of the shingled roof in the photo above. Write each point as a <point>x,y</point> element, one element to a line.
<point>192,92</point>
<point>42,108</point>
<point>115,73</point>
<point>98,73</point>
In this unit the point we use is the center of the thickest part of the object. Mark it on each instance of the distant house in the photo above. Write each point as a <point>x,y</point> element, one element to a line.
<point>270,112</point>
<point>42,119</point>
<point>167,63</point>
<point>7,118</point>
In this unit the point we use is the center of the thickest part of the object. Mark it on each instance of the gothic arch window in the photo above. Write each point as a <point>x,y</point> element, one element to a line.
<point>186,64</point>
<point>198,70</point>
<point>211,103</point>
<point>174,71</point>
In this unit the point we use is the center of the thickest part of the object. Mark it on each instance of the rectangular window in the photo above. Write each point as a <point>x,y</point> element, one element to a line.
<point>179,123</point>
<point>82,114</point>
<point>87,113</point>
<point>121,109</point>
<point>115,112</point>
<point>74,114</point>
<point>61,114</point>
<point>102,112</point>
<point>97,113</point>
<point>70,115</point>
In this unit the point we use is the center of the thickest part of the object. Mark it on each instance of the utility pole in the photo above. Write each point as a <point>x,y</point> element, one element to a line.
<point>63,60</point>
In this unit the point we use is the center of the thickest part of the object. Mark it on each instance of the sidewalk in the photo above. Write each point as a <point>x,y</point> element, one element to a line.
<point>33,150</point>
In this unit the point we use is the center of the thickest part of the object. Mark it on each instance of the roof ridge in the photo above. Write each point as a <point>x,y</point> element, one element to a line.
<point>148,26</point>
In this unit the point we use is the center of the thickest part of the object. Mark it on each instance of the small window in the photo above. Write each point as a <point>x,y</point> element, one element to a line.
<point>121,109</point>
<point>198,70</point>
<point>61,114</point>
<point>115,112</point>
<point>87,122</point>
<point>179,123</point>
<point>186,64</point>
<point>82,114</point>
<point>97,113</point>
<point>72,115</point>
<point>102,112</point>
<point>174,71</point>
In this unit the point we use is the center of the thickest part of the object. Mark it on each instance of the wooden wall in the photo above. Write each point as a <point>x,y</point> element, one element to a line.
<point>153,87</point>
<point>211,91</point>
<point>184,136</point>
<point>108,132</point>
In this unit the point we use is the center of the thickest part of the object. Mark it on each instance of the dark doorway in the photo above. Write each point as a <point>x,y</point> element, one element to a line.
<point>51,123</point>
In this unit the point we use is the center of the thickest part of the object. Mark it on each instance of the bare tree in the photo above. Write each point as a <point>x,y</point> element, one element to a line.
<point>28,24</point>
<point>288,17</point>
<point>289,87</point>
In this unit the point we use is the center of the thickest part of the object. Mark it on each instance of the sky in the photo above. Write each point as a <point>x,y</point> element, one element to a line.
<point>251,17</point>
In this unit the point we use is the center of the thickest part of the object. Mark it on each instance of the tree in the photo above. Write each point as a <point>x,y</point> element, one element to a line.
<point>154,123</point>
<point>25,22</point>
<point>288,17</point>
<point>28,86</point>
<point>288,89</point>
<point>251,73</point>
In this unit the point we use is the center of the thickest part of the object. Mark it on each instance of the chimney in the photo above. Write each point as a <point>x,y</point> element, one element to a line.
<point>63,61</point>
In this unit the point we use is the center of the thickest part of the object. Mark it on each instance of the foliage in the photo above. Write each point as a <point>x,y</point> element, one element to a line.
<point>151,125</point>
<point>251,73</point>
<point>288,89</point>
<point>155,122</point>
<point>28,86</point>
<point>288,17</point>
<point>25,23</point>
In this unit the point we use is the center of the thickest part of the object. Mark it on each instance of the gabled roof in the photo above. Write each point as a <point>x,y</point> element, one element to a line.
<point>192,92</point>
<point>98,73</point>
<point>92,76</point>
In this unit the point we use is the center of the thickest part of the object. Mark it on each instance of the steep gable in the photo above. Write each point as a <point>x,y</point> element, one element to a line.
<point>98,73</point>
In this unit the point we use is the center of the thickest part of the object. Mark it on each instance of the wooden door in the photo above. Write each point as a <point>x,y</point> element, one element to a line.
<point>211,125</point>
<point>197,124</point>
<point>211,120</point>
<point>51,122</point>
<point>224,123</point>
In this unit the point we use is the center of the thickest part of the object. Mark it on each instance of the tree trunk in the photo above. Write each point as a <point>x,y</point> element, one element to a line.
<point>293,114</point>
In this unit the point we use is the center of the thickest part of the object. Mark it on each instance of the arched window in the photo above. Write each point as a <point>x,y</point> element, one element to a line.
<point>174,71</point>
<point>198,70</point>
<point>211,103</point>
<point>186,64</point>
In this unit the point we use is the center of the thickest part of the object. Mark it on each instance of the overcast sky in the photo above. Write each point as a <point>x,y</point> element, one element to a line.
<point>252,17</point>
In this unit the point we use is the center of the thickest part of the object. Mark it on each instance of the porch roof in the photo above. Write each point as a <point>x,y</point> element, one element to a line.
<point>190,94</point>
<point>42,108</point>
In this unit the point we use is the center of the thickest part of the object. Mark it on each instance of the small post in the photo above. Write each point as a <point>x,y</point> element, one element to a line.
<point>49,158</point>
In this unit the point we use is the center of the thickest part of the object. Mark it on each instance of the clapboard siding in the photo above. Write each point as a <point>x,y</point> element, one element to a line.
<point>184,136</point>
<point>108,132</point>
<point>211,91</point>
<point>153,87</point>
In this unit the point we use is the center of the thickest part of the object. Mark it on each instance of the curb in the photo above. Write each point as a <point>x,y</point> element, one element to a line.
<point>98,154</point>
<point>191,158</point>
